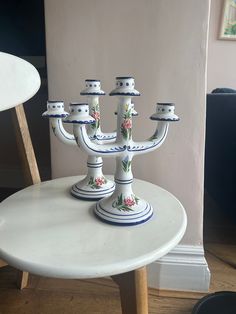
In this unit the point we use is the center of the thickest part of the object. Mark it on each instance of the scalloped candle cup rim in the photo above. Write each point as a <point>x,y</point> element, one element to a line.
<point>92,80</point>
<point>95,93</point>
<point>116,92</point>
<point>55,101</point>
<point>78,104</point>
<point>165,104</point>
<point>80,117</point>
<point>164,117</point>
<point>55,112</point>
<point>90,121</point>
<point>55,115</point>
<point>124,77</point>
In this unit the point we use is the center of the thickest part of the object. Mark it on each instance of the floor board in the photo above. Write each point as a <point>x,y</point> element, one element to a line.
<point>100,296</point>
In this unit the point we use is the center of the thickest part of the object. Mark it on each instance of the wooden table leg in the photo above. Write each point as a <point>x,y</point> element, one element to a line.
<point>31,171</point>
<point>2,263</point>
<point>133,291</point>
<point>25,146</point>
<point>22,279</point>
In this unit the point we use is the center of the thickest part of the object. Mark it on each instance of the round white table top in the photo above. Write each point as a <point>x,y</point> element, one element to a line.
<point>19,81</point>
<point>46,231</point>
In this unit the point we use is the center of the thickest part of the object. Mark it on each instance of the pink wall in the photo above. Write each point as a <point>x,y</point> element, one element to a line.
<point>221,53</point>
<point>153,41</point>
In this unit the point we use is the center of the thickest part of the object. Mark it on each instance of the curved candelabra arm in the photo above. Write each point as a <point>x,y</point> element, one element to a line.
<point>61,133</point>
<point>55,112</point>
<point>67,138</point>
<point>153,142</point>
<point>164,114</point>
<point>84,141</point>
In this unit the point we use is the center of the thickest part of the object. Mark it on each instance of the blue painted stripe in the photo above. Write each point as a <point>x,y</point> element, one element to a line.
<point>121,224</point>
<point>79,122</point>
<point>93,93</point>
<point>97,191</point>
<point>99,163</point>
<point>164,119</point>
<point>116,149</point>
<point>124,148</point>
<point>147,148</point>
<point>86,198</point>
<point>105,138</point>
<point>126,215</point>
<point>123,182</point>
<point>62,115</point>
<point>124,94</point>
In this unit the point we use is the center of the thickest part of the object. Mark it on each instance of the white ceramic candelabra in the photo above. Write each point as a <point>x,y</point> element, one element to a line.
<point>123,207</point>
<point>95,185</point>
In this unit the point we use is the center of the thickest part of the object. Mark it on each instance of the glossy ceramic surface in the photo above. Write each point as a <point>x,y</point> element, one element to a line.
<point>123,206</point>
<point>95,185</point>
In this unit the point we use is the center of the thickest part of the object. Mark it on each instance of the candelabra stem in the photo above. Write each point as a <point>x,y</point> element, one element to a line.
<point>123,207</point>
<point>95,185</point>
<point>124,120</point>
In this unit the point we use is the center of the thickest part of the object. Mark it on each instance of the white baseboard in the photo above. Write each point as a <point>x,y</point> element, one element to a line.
<point>184,269</point>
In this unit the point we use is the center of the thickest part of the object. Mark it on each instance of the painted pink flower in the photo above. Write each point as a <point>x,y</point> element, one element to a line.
<point>127,124</point>
<point>99,181</point>
<point>96,115</point>
<point>128,201</point>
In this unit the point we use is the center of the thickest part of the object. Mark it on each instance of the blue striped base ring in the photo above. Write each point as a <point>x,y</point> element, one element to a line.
<point>123,220</point>
<point>92,195</point>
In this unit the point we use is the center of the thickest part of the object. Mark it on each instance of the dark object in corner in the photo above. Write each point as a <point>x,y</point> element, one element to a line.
<point>216,303</point>
<point>223,90</point>
<point>220,151</point>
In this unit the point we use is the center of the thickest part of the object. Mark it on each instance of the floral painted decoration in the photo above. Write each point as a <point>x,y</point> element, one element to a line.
<point>126,126</point>
<point>126,164</point>
<point>153,137</point>
<point>95,113</point>
<point>54,130</point>
<point>125,203</point>
<point>97,183</point>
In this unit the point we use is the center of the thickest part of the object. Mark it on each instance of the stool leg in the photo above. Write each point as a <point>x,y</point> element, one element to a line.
<point>22,279</point>
<point>2,263</point>
<point>133,291</point>
<point>29,161</point>
<point>25,146</point>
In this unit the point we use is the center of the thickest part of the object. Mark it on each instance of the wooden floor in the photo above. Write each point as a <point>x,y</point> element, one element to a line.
<point>101,296</point>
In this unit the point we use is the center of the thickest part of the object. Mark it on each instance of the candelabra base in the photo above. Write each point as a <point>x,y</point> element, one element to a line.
<point>92,189</point>
<point>106,212</point>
